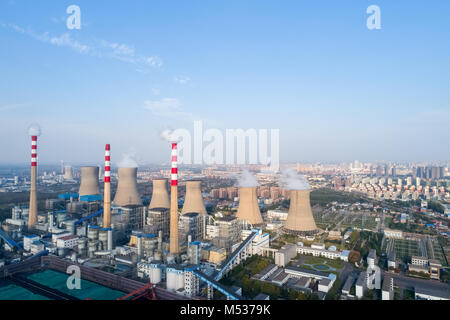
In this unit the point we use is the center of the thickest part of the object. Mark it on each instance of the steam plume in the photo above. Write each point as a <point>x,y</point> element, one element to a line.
<point>34,129</point>
<point>128,161</point>
<point>292,181</point>
<point>247,180</point>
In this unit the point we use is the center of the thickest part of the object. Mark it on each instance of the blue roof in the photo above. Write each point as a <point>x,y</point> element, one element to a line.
<point>152,235</point>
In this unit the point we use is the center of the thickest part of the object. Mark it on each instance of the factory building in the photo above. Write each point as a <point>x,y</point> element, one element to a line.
<point>192,224</point>
<point>158,219</point>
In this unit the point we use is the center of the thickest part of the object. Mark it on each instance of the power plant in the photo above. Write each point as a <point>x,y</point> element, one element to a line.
<point>107,189</point>
<point>193,201</point>
<point>89,181</point>
<point>248,206</point>
<point>32,218</point>
<point>127,192</point>
<point>174,244</point>
<point>300,220</point>
<point>160,195</point>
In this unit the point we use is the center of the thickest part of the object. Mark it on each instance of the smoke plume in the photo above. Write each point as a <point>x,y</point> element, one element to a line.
<point>247,180</point>
<point>128,161</point>
<point>34,129</point>
<point>292,181</point>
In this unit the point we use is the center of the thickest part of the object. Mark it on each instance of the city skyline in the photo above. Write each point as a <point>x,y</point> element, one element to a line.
<point>336,90</point>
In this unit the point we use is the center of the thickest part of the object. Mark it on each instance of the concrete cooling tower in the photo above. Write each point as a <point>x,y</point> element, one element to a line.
<point>89,181</point>
<point>193,201</point>
<point>300,219</point>
<point>160,195</point>
<point>248,206</point>
<point>127,192</point>
<point>68,173</point>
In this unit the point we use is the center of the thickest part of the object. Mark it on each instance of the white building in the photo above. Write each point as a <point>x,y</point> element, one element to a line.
<point>361,285</point>
<point>277,215</point>
<point>387,292</point>
<point>28,241</point>
<point>69,241</point>
<point>152,271</point>
<point>191,283</point>
<point>395,234</point>
<point>285,254</point>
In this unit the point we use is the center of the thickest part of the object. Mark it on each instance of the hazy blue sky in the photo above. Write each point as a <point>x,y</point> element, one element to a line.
<point>336,90</point>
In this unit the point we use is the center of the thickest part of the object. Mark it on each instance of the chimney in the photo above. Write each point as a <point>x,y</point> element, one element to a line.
<point>300,219</point>
<point>160,195</point>
<point>32,218</point>
<point>89,181</point>
<point>174,245</point>
<point>107,191</point>
<point>193,201</point>
<point>248,206</point>
<point>127,192</point>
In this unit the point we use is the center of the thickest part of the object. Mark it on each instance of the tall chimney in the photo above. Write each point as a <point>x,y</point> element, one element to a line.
<point>107,194</point>
<point>127,192</point>
<point>300,219</point>
<point>248,206</point>
<point>174,245</point>
<point>32,218</point>
<point>193,201</point>
<point>160,195</point>
<point>89,181</point>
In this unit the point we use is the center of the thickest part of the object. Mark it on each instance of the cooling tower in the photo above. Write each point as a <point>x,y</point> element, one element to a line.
<point>68,173</point>
<point>160,195</point>
<point>89,181</point>
<point>300,219</point>
<point>32,218</point>
<point>193,201</point>
<point>127,192</point>
<point>248,206</point>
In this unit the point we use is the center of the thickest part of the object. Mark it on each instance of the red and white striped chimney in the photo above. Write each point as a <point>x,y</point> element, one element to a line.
<point>32,217</point>
<point>174,244</point>
<point>174,165</point>
<point>107,195</point>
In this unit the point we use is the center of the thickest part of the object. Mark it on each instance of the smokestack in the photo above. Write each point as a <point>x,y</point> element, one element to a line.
<point>127,192</point>
<point>174,245</point>
<point>32,218</point>
<point>300,219</point>
<point>160,195</point>
<point>107,194</point>
<point>193,201</point>
<point>89,181</point>
<point>248,206</point>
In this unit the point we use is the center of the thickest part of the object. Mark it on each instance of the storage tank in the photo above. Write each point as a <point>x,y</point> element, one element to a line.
<point>155,274</point>
<point>82,249</point>
<point>93,232</point>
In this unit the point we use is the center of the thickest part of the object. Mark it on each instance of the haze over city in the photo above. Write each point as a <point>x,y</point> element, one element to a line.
<point>336,90</point>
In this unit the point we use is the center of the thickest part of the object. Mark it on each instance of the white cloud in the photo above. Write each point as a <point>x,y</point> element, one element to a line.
<point>182,79</point>
<point>11,106</point>
<point>167,107</point>
<point>98,48</point>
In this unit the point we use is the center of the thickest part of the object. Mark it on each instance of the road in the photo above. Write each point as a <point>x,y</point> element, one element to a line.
<point>405,282</point>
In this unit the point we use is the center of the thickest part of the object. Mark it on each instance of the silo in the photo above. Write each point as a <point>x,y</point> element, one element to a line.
<point>248,206</point>
<point>89,181</point>
<point>193,201</point>
<point>93,233</point>
<point>82,242</point>
<point>300,219</point>
<point>160,195</point>
<point>127,192</point>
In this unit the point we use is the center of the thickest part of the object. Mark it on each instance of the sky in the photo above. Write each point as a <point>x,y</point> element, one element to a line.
<point>336,90</point>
